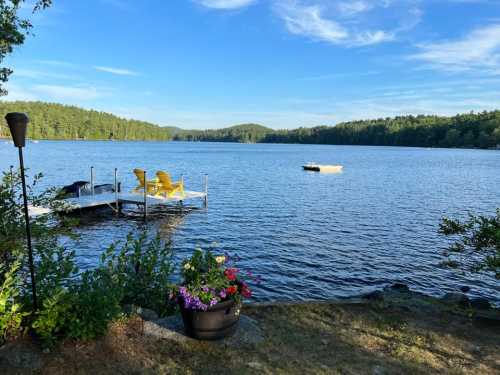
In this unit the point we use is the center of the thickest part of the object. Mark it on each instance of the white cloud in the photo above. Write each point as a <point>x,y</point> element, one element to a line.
<point>353,7</point>
<point>64,93</point>
<point>225,4</point>
<point>354,23</point>
<point>478,50</point>
<point>117,71</point>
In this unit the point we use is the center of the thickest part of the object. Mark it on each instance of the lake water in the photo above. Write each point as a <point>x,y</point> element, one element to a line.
<point>309,235</point>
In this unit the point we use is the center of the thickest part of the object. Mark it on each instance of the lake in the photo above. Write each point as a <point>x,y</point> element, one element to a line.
<point>309,235</point>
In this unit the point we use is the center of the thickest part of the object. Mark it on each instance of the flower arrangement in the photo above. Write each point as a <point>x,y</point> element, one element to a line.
<point>209,279</point>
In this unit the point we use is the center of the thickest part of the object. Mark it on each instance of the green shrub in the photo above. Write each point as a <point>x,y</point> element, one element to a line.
<point>71,305</point>
<point>476,242</point>
<point>11,314</point>
<point>143,271</point>
<point>95,303</point>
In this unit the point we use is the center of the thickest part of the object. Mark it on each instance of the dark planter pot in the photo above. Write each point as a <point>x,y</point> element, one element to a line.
<point>217,322</point>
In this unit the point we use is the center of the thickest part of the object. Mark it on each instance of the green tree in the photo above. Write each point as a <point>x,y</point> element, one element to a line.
<point>13,31</point>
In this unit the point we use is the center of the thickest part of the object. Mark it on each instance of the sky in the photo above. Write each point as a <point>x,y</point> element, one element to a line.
<point>200,64</point>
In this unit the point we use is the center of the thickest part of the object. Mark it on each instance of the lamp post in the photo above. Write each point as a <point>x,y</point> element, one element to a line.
<point>18,123</point>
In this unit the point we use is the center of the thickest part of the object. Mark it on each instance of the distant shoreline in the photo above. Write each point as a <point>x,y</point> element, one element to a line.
<point>246,143</point>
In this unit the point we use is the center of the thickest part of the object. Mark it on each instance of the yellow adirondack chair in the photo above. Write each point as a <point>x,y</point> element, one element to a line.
<point>166,186</point>
<point>151,186</point>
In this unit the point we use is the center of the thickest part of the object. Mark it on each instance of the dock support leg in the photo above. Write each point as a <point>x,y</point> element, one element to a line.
<point>117,202</point>
<point>206,191</point>
<point>92,180</point>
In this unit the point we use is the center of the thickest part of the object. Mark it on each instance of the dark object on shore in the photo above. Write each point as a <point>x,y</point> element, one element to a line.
<point>464,289</point>
<point>217,322</point>
<point>458,299</point>
<point>376,295</point>
<point>480,303</point>
<point>83,188</point>
<point>400,287</point>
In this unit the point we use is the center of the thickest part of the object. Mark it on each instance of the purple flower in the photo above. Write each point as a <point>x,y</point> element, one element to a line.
<point>205,289</point>
<point>222,294</point>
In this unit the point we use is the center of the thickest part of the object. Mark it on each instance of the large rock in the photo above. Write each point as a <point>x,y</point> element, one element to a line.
<point>146,314</point>
<point>172,328</point>
<point>458,299</point>
<point>376,295</point>
<point>480,303</point>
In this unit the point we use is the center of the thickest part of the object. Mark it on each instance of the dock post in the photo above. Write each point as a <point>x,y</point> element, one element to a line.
<point>117,203</point>
<point>145,197</point>
<point>206,191</point>
<point>92,180</point>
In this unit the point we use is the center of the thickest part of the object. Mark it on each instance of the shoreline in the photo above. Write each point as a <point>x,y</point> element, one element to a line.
<point>389,331</point>
<point>253,143</point>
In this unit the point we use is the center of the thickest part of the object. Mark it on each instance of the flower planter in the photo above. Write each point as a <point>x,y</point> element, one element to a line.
<point>217,322</point>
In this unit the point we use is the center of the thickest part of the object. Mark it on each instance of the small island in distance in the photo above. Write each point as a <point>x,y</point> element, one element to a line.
<point>61,122</point>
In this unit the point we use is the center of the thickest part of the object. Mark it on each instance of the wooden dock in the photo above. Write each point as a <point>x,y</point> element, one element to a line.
<point>116,200</point>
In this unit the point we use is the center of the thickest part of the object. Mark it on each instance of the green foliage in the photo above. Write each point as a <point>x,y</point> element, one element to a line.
<point>480,130</point>
<point>143,271</point>
<point>56,121</point>
<point>51,318</point>
<point>246,133</point>
<point>95,302</point>
<point>11,315</point>
<point>71,305</point>
<point>477,242</point>
<point>13,31</point>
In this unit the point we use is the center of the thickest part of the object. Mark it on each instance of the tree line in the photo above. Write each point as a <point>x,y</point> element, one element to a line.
<point>56,121</point>
<point>479,130</point>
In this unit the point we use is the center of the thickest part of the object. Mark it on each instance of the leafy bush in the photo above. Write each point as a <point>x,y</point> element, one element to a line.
<point>143,271</point>
<point>477,241</point>
<point>73,305</point>
<point>11,315</point>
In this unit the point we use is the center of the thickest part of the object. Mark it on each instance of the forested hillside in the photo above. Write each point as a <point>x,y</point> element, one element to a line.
<point>56,121</point>
<point>466,130</point>
<point>246,133</point>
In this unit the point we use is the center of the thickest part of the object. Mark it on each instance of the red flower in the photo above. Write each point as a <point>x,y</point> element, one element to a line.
<point>247,293</point>
<point>230,273</point>
<point>231,290</point>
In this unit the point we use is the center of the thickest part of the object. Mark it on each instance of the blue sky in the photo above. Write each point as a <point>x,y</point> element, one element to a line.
<point>281,63</point>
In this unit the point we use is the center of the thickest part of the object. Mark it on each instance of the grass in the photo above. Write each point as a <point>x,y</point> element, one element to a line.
<point>394,337</point>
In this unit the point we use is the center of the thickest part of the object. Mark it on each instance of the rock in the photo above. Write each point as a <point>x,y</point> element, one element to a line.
<point>456,299</point>
<point>21,356</point>
<point>480,303</point>
<point>464,289</point>
<point>172,328</point>
<point>378,370</point>
<point>400,287</point>
<point>144,313</point>
<point>256,365</point>
<point>376,295</point>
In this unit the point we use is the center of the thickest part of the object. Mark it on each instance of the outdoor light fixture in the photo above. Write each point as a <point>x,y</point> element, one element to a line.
<point>18,124</point>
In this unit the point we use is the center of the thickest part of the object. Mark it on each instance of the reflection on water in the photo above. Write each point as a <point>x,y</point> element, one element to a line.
<point>309,235</point>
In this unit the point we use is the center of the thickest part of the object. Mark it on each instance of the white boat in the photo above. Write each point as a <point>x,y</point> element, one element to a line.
<point>313,167</point>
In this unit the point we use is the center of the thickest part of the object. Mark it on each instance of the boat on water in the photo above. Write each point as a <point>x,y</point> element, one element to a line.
<point>313,167</point>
